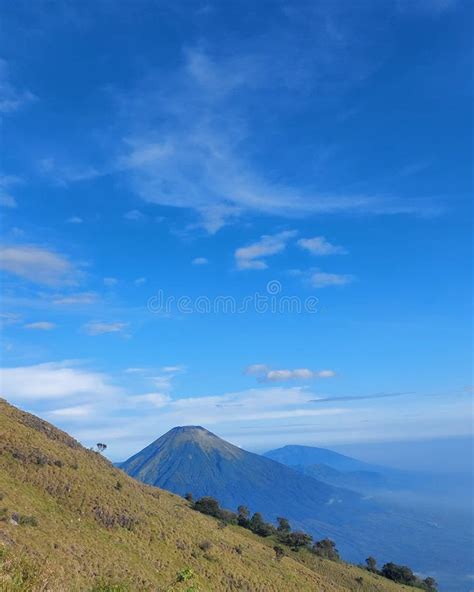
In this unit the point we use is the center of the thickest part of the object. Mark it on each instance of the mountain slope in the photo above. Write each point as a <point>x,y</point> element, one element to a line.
<point>69,519</point>
<point>191,459</point>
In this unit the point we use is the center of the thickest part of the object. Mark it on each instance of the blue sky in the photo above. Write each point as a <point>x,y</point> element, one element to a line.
<point>316,151</point>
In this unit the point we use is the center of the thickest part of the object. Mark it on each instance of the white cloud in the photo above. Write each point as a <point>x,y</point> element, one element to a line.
<point>326,374</point>
<point>74,220</point>
<point>41,326</point>
<point>264,373</point>
<point>256,369</point>
<point>298,374</point>
<point>52,380</point>
<point>71,412</point>
<point>320,246</point>
<point>87,405</point>
<point>11,98</point>
<point>251,256</point>
<point>78,298</point>
<point>110,282</point>
<point>200,261</point>
<point>173,369</point>
<point>37,265</point>
<point>134,215</point>
<point>140,281</point>
<point>323,280</point>
<point>100,328</point>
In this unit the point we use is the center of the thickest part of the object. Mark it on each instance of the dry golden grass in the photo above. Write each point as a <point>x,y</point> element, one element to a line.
<point>98,529</point>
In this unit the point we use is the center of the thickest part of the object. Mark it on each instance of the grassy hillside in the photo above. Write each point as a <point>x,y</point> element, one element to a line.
<point>71,521</point>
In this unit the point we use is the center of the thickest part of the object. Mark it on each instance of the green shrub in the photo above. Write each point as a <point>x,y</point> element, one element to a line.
<point>185,575</point>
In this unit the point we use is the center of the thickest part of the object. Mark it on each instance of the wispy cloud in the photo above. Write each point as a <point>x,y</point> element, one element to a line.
<point>198,157</point>
<point>74,220</point>
<point>11,97</point>
<point>265,373</point>
<point>38,265</point>
<point>320,246</point>
<point>80,411</point>
<point>298,374</point>
<point>101,328</point>
<point>200,261</point>
<point>76,299</point>
<point>187,137</point>
<point>321,279</point>
<point>9,318</point>
<point>40,326</point>
<point>134,215</point>
<point>360,397</point>
<point>252,256</point>
<point>63,175</point>
<point>7,200</point>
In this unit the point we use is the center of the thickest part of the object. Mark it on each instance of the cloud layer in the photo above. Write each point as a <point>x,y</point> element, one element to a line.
<point>52,380</point>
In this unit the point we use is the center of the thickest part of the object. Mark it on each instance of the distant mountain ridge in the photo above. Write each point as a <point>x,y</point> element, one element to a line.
<point>311,455</point>
<point>336,469</point>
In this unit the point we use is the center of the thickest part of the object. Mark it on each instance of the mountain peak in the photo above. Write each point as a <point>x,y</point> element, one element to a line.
<point>190,432</point>
<point>196,436</point>
<point>188,429</point>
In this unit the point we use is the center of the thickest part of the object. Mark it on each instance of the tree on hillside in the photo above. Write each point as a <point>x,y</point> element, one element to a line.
<point>430,585</point>
<point>101,446</point>
<point>283,525</point>
<point>188,496</point>
<point>371,563</point>
<point>298,540</point>
<point>399,573</point>
<point>326,549</point>
<point>228,517</point>
<point>243,514</point>
<point>208,505</point>
<point>259,526</point>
